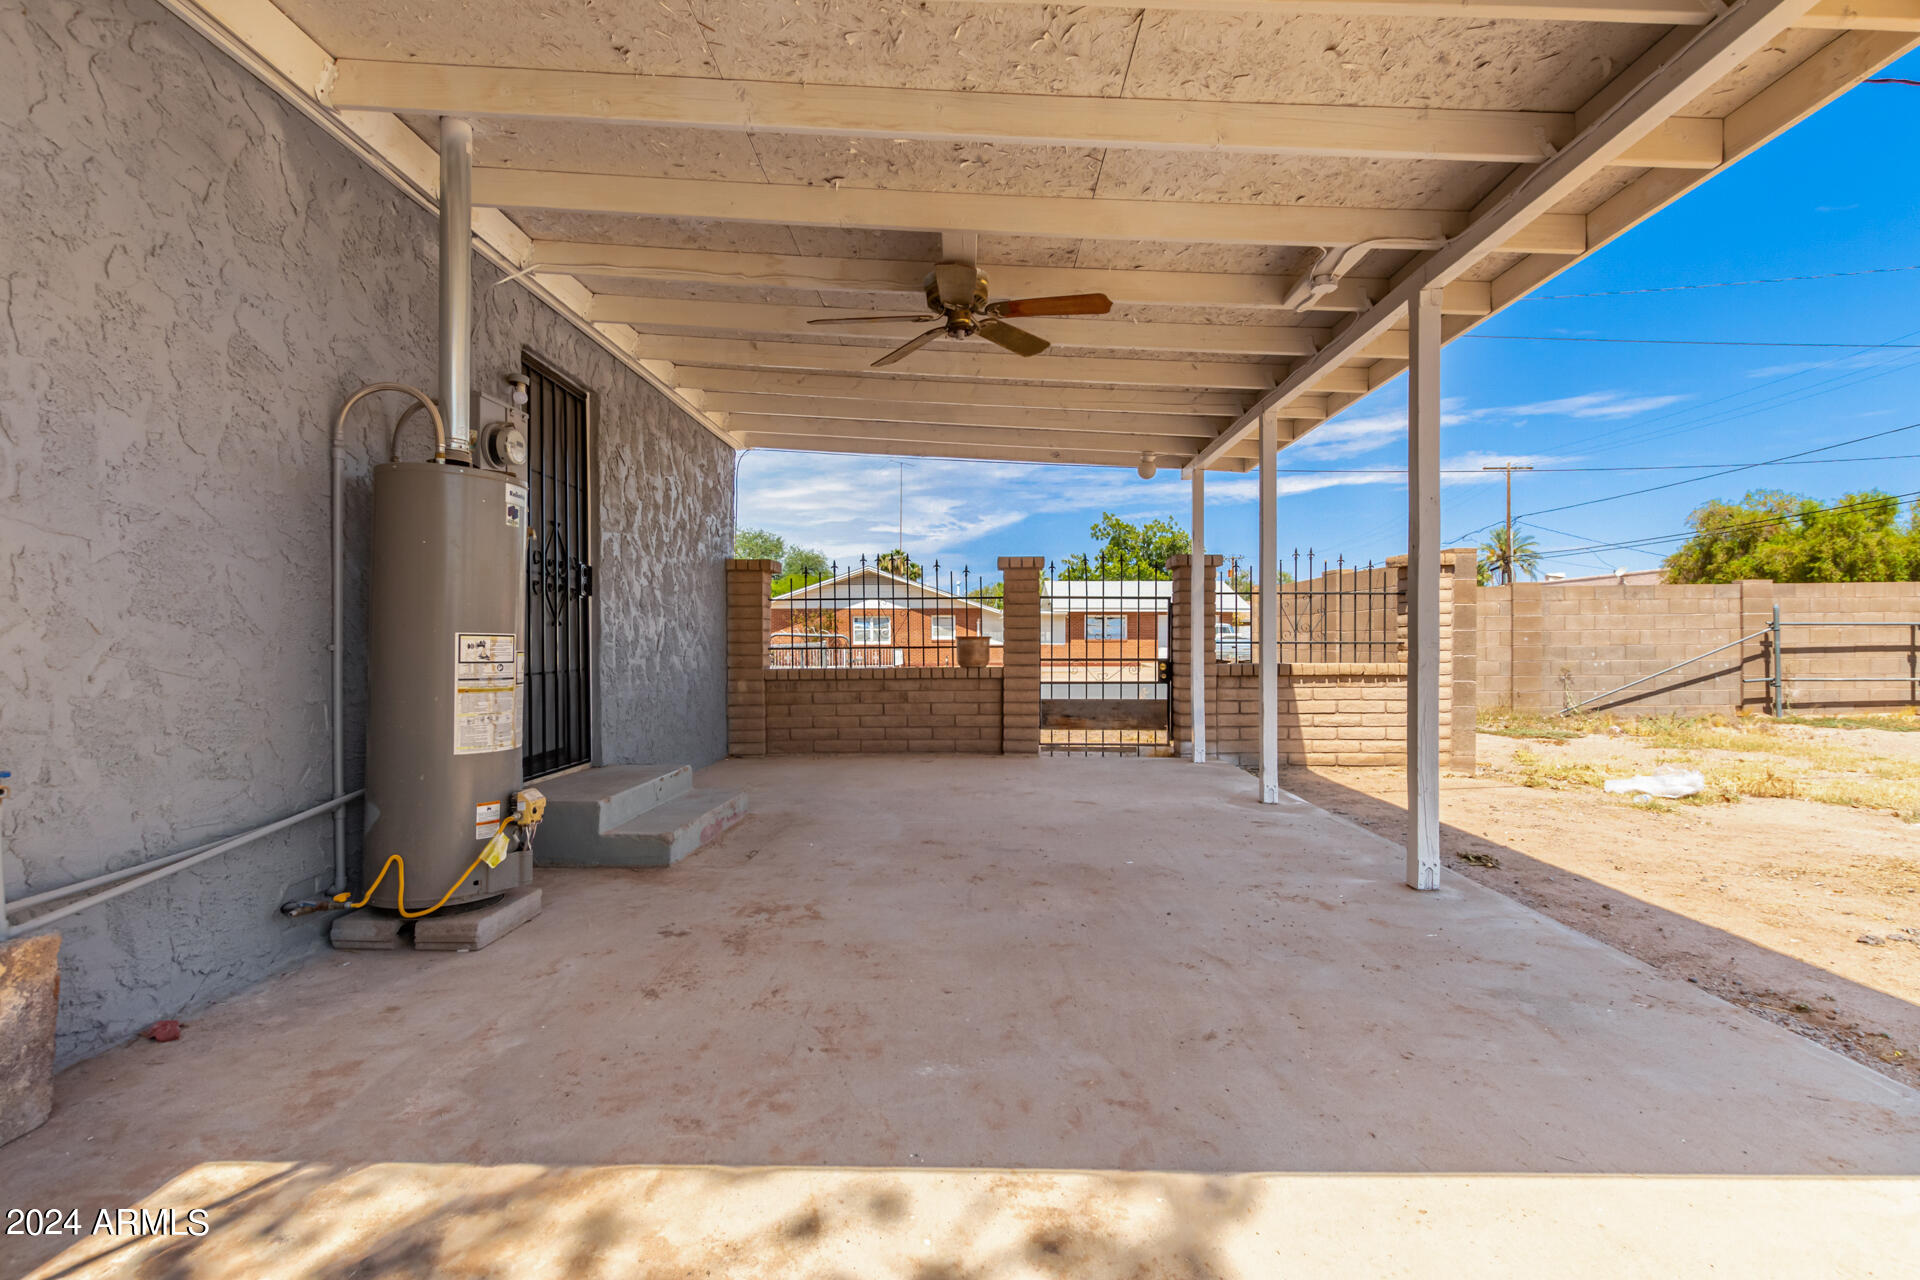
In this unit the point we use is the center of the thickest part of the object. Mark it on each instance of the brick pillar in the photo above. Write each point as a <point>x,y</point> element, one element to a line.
<point>1180,650</point>
<point>1756,660</point>
<point>1020,684</point>
<point>749,628</point>
<point>1463,624</point>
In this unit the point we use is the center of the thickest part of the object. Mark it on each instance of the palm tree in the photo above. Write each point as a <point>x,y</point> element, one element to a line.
<point>1523,558</point>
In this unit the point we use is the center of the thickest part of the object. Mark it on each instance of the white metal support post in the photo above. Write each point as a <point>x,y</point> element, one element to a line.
<point>1269,610</point>
<point>1202,645</point>
<point>1423,592</point>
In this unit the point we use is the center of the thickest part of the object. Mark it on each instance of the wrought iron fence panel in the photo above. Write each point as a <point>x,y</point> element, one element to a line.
<point>885,611</point>
<point>1330,611</point>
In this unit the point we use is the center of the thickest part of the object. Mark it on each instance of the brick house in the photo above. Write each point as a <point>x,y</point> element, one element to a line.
<point>871,618</point>
<point>1113,622</point>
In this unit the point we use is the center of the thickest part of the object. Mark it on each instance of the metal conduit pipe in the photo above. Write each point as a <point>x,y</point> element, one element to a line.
<point>1324,276</point>
<point>179,862</point>
<point>337,644</point>
<point>456,281</point>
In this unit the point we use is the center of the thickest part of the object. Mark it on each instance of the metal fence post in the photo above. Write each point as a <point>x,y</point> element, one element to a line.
<point>1779,676</point>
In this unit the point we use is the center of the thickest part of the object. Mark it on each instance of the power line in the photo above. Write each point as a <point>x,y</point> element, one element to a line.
<point>1696,342</point>
<point>1714,475</point>
<point>1637,543</point>
<point>1651,466</point>
<point>1716,284</point>
<point>1791,459</point>
<point>1638,430</point>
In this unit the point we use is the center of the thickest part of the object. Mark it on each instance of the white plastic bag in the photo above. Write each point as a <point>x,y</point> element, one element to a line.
<point>1669,782</point>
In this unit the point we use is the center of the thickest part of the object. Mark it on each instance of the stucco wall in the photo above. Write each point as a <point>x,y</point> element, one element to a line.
<point>195,276</point>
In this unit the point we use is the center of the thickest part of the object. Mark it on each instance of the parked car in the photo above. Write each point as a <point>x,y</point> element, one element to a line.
<point>1233,644</point>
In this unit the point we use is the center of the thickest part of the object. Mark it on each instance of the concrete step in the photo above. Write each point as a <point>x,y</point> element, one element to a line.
<point>583,806</point>
<point>664,835</point>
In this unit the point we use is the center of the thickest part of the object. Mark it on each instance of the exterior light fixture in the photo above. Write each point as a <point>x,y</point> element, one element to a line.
<point>1148,465</point>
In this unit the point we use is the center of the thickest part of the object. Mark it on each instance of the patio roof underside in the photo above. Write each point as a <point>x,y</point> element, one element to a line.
<point>698,179</point>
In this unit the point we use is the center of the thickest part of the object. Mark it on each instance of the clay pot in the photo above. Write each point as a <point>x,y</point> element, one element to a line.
<point>973,651</point>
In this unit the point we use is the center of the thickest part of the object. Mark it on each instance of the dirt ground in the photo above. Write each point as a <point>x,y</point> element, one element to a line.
<point>1805,913</point>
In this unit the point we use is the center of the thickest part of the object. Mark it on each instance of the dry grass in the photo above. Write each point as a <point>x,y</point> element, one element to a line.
<point>1745,757</point>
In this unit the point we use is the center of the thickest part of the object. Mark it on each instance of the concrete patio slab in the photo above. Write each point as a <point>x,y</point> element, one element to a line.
<point>1105,965</point>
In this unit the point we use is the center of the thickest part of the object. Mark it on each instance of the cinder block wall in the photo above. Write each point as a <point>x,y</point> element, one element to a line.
<point>197,277</point>
<point>1544,645</point>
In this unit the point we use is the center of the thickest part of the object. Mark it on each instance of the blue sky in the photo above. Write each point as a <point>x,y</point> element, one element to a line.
<point>1840,193</point>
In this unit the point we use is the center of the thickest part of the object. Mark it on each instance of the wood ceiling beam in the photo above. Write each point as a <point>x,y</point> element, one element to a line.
<point>1184,446</point>
<point>940,360</point>
<point>856,389</point>
<point>1865,14</point>
<point>940,115</point>
<point>1074,218</point>
<point>1644,12</point>
<point>669,315</point>
<point>957,415</point>
<point>1708,57</point>
<point>879,275</point>
<point>1042,455</point>
<point>1796,95</point>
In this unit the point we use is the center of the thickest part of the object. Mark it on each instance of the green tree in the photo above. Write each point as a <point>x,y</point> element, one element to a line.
<point>804,561</point>
<point>1128,551</point>
<point>899,564</point>
<point>1522,558</point>
<point>1790,538</point>
<point>758,544</point>
<point>993,595</point>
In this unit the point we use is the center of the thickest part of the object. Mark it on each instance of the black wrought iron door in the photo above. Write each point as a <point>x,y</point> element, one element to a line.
<point>559,730</point>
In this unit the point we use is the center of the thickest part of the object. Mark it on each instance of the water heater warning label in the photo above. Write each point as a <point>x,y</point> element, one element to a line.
<point>486,715</point>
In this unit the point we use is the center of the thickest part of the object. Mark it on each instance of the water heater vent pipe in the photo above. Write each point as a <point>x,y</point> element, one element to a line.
<point>456,282</point>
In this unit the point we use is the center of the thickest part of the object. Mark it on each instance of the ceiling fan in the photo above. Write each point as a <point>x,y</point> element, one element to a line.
<point>957,297</point>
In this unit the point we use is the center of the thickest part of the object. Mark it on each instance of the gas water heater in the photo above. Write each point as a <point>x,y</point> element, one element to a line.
<point>446,631</point>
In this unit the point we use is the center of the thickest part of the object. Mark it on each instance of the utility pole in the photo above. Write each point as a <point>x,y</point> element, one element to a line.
<point>1509,468</point>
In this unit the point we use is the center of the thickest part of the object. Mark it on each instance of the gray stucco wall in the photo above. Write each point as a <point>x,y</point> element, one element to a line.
<point>195,276</point>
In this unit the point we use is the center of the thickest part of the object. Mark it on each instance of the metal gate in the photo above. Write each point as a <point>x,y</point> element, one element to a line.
<point>559,726</point>
<point>1104,687</point>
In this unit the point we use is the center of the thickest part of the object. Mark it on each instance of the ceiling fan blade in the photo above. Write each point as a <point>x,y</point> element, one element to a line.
<point>910,346</point>
<point>866,319</point>
<point>954,283</point>
<point>1014,339</point>
<point>1066,304</point>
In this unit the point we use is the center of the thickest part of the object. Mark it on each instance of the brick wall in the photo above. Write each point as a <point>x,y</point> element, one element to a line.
<point>920,709</point>
<point>930,708</point>
<point>1350,713</point>
<point>1544,645</point>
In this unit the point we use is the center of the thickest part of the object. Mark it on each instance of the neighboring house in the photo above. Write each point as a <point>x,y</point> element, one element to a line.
<point>871,618</point>
<point>1112,620</point>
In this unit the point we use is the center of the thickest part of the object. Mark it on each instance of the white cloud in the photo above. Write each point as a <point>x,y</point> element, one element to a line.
<point>850,505</point>
<point>1864,360</point>
<point>1593,404</point>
